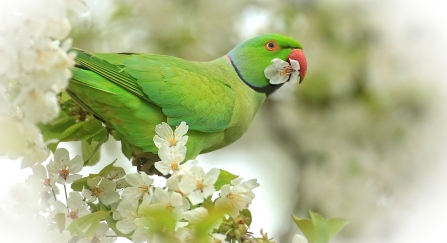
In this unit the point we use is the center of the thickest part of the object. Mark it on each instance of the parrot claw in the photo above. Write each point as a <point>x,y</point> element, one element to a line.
<point>145,162</point>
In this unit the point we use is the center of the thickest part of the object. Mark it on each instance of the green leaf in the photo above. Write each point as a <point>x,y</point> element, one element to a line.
<point>70,133</point>
<point>126,148</point>
<point>247,214</point>
<point>87,225</point>
<point>108,168</point>
<point>224,178</point>
<point>55,128</point>
<point>101,136</point>
<point>82,130</point>
<point>93,207</point>
<point>306,226</point>
<point>205,226</point>
<point>89,128</point>
<point>319,230</point>
<point>91,153</point>
<point>158,220</point>
<point>335,226</point>
<point>78,185</point>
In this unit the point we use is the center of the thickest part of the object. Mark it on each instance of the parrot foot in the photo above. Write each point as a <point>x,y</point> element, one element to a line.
<point>145,162</point>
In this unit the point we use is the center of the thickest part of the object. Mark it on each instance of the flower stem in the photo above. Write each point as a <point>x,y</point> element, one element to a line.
<point>65,190</point>
<point>54,194</point>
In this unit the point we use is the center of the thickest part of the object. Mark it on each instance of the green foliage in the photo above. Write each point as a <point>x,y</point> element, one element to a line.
<point>76,124</point>
<point>247,214</point>
<point>90,152</point>
<point>88,224</point>
<point>202,228</point>
<point>319,230</point>
<point>54,129</point>
<point>158,220</point>
<point>225,177</point>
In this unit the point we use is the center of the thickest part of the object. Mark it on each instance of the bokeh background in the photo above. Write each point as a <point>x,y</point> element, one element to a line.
<point>362,138</point>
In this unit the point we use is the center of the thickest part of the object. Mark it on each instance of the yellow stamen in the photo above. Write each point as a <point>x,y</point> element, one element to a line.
<point>64,172</point>
<point>47,181</point>
<point>172,141</point>
<point>72,215</point>
<point>96,191</point>
<point>200,186</point>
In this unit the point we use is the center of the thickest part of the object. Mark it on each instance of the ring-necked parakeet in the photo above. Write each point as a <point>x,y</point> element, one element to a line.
<point>133,92</point>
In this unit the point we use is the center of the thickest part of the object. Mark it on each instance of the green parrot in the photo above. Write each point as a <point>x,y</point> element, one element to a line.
<point>133,92</point>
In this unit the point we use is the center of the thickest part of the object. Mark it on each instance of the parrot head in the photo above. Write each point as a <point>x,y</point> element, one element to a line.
<point>252,59</point>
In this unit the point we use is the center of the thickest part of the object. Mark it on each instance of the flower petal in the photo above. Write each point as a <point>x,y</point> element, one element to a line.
<point>39,171</point>
<point>76,164</point>
<point>270,71</point>
<point>60,155</point>
<point>109,197</point>
<point>162,167</point>
<point>181,130</point>
<point>134,179</point>
<point>147,180</point>
<point>131,194</point>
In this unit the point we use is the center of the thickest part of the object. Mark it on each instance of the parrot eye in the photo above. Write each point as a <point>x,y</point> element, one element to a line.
<point>271,45</point>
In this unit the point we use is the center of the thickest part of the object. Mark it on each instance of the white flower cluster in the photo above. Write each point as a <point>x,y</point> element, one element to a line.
<point>130,197</point>
<point>45,181</point>
<point>187,187</point>
<point>34,68</point>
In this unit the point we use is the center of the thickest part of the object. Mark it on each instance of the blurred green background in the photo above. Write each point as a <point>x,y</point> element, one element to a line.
<point>342,143</point>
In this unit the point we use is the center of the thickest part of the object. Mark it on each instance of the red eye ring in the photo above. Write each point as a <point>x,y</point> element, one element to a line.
<point>271,45</point>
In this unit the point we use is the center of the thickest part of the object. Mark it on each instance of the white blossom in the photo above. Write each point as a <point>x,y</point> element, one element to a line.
<point>171,159</point>
<point>125,214</point>
<point>140,186</point>
<point>247,185</point>
<point>101,188</point>
<point>41,181</point>
<point>34,68</point>
<point>116,175</point>
<point>64,168</point>
<point>55,236</point>
<point>58,215</point>
<point>185,235</point>
<point>27,200</point>
<point>165,135</point>
<point>38,106</point>
<point>281,71</point>
<point>100,235</point>
<point>237,197</point>
<point>198,185</point>
<point>77,207</point>
<point>171,201</point>
<point>22,138</point>
<point>172,183</point>
<point>141,234</point>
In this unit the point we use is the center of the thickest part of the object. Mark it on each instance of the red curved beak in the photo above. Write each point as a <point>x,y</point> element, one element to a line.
<point>298,55</point>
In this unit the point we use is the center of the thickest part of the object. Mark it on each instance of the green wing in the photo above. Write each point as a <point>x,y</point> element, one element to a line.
<point>185,91</point>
